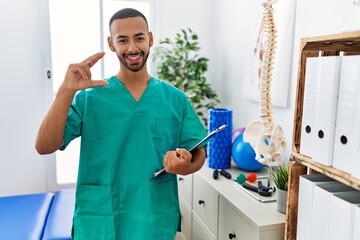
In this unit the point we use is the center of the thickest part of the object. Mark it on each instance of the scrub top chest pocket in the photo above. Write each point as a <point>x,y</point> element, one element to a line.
<point>167,130</point>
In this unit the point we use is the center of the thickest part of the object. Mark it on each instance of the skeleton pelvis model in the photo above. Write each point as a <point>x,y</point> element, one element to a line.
<point>268,148</point>
<point>266,139</point>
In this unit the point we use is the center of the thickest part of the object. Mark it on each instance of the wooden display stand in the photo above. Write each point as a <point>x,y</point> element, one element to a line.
<point>330,45</point>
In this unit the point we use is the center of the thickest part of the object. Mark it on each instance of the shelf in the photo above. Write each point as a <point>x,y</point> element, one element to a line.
<point>334,173</point>
<point>345,44</point>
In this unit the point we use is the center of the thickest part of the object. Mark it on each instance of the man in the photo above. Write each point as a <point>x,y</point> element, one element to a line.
<point>131,125</point>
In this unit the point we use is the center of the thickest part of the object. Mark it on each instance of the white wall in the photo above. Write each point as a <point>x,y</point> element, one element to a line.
<point>171,16</point>
<point>225,32</point>
<point>223,27</point>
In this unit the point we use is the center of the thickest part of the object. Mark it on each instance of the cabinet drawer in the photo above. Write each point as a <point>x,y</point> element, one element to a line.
<point>205,203</point>
<point>232,225</point>
<point>200,231</point>
<point>185,187</point>
<point>186,220</point>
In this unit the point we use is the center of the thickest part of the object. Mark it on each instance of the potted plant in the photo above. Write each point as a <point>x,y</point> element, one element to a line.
<point>178,62</point>
<point>280,177</point>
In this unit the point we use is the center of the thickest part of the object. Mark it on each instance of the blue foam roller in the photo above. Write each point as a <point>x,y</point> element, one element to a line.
<point>219,147</point>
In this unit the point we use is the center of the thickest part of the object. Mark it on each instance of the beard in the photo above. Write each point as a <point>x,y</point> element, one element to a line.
<point>135,67</point>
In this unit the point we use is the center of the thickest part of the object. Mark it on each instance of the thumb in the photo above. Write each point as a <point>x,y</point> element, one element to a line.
<point>88,83</point>
<point>99,83</point>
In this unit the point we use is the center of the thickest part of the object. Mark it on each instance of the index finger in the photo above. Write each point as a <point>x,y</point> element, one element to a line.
<point>90,61</point>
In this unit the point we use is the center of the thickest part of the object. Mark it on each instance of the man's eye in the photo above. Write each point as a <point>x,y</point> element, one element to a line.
<point>122,41</point>
<point>140,39</point>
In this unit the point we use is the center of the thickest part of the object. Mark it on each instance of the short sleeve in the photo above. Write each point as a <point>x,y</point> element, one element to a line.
<point>192,130</point>
<point>74,120</point>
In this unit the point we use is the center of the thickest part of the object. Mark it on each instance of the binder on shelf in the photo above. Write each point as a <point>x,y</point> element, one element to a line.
<point>347,133</point>
<point>326,108</point>
<point>321,207</point>
<point>356,232</point>
<point>342,209</point>
<point>309,108</point>
<point>305,202</point>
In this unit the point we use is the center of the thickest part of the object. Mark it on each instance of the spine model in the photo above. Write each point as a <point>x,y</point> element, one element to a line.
<point>266,68</point>
<point>266,139</point>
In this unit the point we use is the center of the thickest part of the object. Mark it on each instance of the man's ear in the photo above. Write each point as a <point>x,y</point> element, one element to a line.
<point>110,43</point>
<point>151,39</point>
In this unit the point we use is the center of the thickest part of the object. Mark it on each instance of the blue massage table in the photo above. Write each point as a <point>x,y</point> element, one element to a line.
<point>42,216</point>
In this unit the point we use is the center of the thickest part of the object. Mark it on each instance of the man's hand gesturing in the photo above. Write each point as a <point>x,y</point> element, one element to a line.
<point>78,75</point>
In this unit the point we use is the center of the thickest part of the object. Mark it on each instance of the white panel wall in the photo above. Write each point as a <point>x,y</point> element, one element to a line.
<point>22,75</point>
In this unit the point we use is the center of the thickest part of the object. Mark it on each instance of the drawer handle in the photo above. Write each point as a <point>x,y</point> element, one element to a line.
<point>180,178</point>
<point>201,202</point>
<point>232,235</point>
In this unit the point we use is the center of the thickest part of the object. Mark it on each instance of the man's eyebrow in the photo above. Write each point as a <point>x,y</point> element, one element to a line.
<point>139,34</point>
<point>121,36</point>
<point>136,35</point>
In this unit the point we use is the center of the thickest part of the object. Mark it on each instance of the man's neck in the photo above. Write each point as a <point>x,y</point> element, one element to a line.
<point>134,79</point>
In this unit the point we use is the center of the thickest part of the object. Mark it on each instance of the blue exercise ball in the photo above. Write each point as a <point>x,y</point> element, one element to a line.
<point>244,155</point>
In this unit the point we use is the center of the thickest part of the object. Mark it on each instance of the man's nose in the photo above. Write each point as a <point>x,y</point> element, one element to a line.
<point>132,46</point>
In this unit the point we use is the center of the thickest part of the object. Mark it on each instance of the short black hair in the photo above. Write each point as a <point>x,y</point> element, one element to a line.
<point>127,13</point>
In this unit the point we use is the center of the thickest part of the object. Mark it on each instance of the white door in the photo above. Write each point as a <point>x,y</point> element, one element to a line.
<point>24,62</point>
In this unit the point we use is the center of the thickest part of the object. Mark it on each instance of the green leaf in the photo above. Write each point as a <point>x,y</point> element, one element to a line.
<point>280,175</point>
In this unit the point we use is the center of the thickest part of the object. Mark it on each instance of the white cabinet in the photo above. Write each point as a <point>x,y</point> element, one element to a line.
<point>220,210</point>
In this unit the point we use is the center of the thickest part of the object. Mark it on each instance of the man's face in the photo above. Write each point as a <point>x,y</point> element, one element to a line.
<point>131,41</point>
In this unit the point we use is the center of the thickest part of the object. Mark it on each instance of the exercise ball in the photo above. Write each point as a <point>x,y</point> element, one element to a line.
<point>236,133</point>
<point>244,155</point>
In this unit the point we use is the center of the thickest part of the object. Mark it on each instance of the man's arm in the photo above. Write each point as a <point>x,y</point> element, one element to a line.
<point>51,131</point>
<point>50,136</point>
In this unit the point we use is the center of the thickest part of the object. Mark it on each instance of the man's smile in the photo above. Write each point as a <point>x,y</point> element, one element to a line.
<point>133,57</point>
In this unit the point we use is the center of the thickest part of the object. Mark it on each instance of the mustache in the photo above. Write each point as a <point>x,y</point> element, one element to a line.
<point>133,54</point>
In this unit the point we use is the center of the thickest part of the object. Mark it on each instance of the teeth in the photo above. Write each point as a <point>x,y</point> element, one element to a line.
<point>133,57</point>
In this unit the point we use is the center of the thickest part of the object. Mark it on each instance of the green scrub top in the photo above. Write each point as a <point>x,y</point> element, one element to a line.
<point>122,144</point>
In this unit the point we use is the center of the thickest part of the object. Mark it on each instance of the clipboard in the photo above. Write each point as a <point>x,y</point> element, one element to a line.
<point>162,171</point>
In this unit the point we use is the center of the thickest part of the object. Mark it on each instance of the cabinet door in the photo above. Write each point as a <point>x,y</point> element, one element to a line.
<point>24,92</point>
<point>185,187</point>
<point>200,231</point>
<point>232,225</point>
<point>205,203</point>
